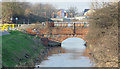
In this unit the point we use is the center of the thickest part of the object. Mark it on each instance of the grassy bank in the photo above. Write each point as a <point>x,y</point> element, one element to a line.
<point>19,49</point>
<point>103,36</point>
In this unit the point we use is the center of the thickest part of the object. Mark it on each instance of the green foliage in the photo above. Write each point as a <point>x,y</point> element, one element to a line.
<point>16,45</point>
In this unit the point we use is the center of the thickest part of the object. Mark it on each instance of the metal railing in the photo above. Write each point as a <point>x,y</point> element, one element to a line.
<point>71,24</point>
<point>7,27</point>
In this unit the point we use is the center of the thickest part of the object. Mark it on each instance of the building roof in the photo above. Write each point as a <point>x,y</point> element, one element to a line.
<point>86,10</point>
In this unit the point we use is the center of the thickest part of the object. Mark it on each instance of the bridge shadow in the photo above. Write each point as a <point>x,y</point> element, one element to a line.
<point>54,44</point>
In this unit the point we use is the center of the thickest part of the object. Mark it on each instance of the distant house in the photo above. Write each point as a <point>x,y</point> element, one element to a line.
<point>88,12</point>
<point>62,13</point>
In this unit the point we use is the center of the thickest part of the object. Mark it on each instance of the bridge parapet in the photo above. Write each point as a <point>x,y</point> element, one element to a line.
<point>61,31</point>
<point>69,24</point>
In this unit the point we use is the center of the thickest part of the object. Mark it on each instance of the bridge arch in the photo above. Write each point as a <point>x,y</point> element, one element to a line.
<point>73,37</point>
<point>73,43</point>
<point>64,37</point>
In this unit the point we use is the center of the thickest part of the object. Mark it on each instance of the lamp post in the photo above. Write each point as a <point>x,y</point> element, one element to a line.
<point>23,21</point>
<point>8,25</point>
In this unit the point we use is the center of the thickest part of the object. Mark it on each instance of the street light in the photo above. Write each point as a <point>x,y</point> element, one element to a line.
<point>11,19</point>
<point>16,19</point>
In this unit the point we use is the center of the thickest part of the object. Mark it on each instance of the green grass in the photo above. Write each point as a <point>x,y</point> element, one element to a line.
<point>16,45</point>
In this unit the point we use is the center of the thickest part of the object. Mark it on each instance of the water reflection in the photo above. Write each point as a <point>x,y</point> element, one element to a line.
<point>73,53</point>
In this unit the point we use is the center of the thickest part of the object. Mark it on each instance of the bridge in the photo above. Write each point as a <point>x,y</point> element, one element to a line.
<point>60,32</point>
<point>53,31</point>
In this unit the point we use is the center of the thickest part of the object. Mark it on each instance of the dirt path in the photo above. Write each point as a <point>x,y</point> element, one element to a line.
<point>4,33</point>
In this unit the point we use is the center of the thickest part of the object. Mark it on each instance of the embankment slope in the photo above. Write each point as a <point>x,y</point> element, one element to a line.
<point>20,49</point>
<point>103,36</point>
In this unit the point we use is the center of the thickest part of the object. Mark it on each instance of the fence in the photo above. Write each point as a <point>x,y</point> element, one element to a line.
<point>7,27</point>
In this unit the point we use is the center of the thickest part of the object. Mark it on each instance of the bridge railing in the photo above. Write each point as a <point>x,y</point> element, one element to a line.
<point>70,24</point>
<point>7,27</point>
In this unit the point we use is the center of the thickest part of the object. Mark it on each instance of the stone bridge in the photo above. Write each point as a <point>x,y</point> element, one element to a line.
<point>58,34</point>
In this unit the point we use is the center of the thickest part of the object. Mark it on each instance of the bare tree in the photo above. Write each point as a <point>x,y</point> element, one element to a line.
<point>96,4</point>
<point>73,11</point>
<point>10,10</point>
<point>43,10</point>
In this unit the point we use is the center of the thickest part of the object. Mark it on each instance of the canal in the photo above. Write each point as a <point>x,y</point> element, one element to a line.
<point>72,53</point>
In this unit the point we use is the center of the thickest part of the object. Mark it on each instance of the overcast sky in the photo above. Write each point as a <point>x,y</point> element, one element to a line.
<point>64,4</point>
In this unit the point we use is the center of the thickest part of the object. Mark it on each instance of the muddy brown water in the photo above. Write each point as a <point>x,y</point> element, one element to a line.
<point>73,53</point>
